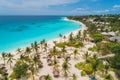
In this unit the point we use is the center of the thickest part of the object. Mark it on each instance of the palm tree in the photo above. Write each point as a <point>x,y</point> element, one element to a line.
<point>55,64</point>
<point>107,67</point>
<point>42,42</point>
<point>22,57</point>
<point>4,56</point>
<point>36,47</point>
<point>71,37</point>
<point>64,37</point>
<point>85,56</point>
<point>79,34</point>
<point>35,61</point>
<point>63,51</point>
<point>19,51</point>
<point>75,53</point>
<point>33,71</point>
<point>65,68</point>
<point>95,64</point>
<point>84,34</point>
<point>60,35</point>
<point>54,52</point>
<point>74,77</point>
<point>28,51</point>
<point>10,58</point>
<point>48,77</point>
<point>45,47</point>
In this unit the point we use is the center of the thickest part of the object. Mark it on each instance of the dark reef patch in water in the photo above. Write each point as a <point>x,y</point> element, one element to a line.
<point>20,28</point>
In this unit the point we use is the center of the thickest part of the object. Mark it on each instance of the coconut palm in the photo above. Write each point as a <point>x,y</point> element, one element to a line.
<point>32,71</point>
<point>42,42</point>
<point>60,35</point>
<point>71,37</point>
<point>35,61</point>
<point>84,34</point>
<point>106,67</point>
<point>19,51</point>
<point>74,77</point>
<point>45,77</point>
<point>95,64</point>
<point>10,58</point>
<point>22,57</point>
<point>63,51</point>
<point>75,53</point>
<point>64,37</point>
<point>65,68</point>
<point>4,56</point>
<point>85,56</point>
<point>45,47</point>
<point>54,52</point>
<point>48,77</point>
<point>28,51</point>
<point>55,64</point>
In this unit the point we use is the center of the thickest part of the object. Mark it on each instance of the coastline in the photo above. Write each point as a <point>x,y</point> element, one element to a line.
<point>46,70</point>
<point>50,42</point>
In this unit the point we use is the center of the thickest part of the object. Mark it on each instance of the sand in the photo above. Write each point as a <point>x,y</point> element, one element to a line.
<point>48,70</point>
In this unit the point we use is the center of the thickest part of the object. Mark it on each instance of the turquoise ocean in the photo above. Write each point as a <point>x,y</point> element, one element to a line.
<point>20,31</point>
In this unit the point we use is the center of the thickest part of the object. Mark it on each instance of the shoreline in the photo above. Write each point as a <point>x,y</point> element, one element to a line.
<point>50,42</point>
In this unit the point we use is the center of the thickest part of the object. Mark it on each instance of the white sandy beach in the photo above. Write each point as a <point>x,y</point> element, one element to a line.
<point>48,69</point>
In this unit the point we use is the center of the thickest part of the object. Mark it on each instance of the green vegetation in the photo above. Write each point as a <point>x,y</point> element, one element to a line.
<point>97,37</point>
<point>96,25</point>
<point>114,47</point>
<point>19,71</point>
<point>73,43</point>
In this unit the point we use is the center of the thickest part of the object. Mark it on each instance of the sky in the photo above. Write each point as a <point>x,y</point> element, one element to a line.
<point>59,7</point>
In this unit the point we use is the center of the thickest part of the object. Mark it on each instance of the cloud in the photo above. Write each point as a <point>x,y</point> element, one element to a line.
<point>34,3</point>
<point>102,11</point>
<point>79,9</point>
<point>116,6</point>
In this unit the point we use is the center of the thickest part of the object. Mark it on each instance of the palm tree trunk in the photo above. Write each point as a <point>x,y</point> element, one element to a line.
<point>33,78</point>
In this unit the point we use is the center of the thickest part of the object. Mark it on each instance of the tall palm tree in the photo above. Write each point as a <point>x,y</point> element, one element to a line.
<point>45,47</point>
<point>60,35</point>
<point>54,52</point>
<point>33,71</point>
<point>96,63</point>
<point>19,51</point>
<point>4,56</point>
<point>84,34</point>
<point>107,67</point>
<point>55,64</point>
<point>74,77</point>
<point>75,53</point>
<point>71,37</point>
<point>28,51</point>
<point>64,37</point>
<point>22,57</point>
<point>65,68</point>
<point>79,34</point>
<point>36,46</point>
<point>10,58</point>
<point>35,61</point>
<point>42,43</point>
<point>95,66</point>
<point>63,51</point>
<point>85,56</point>
<point>48,77</point>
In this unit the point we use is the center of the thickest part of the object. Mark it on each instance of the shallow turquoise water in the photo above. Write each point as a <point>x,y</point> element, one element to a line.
<point>19,31</point>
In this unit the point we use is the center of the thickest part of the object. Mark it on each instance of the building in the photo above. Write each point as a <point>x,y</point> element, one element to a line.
<point>115,38</point>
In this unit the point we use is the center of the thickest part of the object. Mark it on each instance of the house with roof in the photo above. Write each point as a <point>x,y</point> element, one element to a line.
<point>115,38</point>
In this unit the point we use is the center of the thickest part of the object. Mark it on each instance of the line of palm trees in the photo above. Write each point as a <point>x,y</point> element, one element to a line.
<point>31,57</point>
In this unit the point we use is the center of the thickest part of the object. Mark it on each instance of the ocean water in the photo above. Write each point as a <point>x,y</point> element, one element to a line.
<point>19,31</point>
